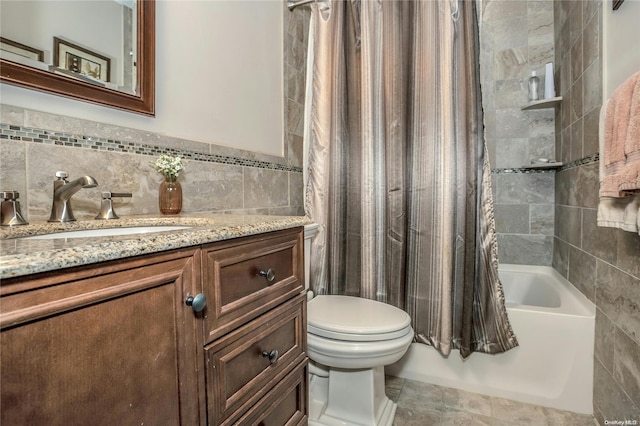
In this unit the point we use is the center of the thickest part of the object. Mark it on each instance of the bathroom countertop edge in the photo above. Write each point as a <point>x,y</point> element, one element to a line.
<point>19,257</point>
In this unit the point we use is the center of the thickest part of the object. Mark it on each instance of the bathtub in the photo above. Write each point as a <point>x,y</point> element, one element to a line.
<point>552,367</point>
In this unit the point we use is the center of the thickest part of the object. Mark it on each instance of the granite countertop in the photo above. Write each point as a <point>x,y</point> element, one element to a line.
<point>20,257</point>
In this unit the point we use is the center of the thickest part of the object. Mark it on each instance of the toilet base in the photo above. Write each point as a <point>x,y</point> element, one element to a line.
<point>350,397</point>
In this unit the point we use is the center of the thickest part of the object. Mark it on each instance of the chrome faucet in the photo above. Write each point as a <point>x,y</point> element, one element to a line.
<point>63,190</point>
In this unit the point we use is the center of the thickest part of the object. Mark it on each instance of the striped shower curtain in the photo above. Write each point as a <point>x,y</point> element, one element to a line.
<point>398,177</point>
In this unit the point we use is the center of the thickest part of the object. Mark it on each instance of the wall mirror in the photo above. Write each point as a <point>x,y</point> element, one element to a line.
<point>100,51</point>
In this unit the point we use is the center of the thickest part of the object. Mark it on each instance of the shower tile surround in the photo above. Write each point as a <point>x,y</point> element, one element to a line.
<point>550,217</point>
<point>516,37</point>
<point>603,263</point>
<point>34,145</point>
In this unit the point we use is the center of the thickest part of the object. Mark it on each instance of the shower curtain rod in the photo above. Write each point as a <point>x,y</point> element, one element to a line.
<point>293,5</point>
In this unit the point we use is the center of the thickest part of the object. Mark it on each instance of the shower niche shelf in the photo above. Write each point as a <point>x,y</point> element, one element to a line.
<point>542,104</point>
<point>543,166</point>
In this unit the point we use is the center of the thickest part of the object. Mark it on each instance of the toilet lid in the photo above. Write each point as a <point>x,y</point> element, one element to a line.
<point>355,319</point>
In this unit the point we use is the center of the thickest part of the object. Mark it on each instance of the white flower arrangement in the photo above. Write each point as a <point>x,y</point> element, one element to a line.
<point>168,166</point>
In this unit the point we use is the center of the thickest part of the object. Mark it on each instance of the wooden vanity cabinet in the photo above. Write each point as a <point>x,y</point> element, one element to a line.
<point>255,330</point>
<point>108,344</point>
<point>116,344</point>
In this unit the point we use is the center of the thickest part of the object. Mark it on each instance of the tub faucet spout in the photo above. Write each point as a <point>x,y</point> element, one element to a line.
<point>63,190</point>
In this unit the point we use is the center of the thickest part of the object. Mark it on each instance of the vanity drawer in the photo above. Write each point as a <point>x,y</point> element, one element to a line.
<point>233,285</point>
<point>285,404</point>
<point>239,375</point>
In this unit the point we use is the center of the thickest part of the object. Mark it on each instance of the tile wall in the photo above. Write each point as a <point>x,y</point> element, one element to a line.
<point>550,218</point>
<point>34,145</point>
<point>296,36</point>
<point>604,263</point>
<point>516,37</point>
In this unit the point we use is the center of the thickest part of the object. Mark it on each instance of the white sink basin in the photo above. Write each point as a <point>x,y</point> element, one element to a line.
<point>106,232</point>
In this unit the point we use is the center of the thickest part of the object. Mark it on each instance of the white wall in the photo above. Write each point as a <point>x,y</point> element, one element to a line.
<point>621,35</point>
<point>219,72</point>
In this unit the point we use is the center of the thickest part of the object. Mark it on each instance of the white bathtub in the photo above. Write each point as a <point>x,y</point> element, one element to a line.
<point>553,366</point>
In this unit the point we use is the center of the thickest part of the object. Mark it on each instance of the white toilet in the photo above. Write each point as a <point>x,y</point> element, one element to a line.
<point>350,340</point>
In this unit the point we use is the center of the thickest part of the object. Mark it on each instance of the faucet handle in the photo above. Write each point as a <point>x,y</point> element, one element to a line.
<point>108,195</point>
<point>9,195</point>
<point>106,206</point>
<point>10,213</point>
<point>62,175</point>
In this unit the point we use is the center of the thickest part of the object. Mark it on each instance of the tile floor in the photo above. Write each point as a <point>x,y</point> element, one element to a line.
<point>423,404</point>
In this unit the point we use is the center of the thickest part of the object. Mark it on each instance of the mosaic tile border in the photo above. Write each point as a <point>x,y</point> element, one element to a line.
<point>520,170</point>
<point>581,162</point>
<point>577,163</point>
<point>27,134</point>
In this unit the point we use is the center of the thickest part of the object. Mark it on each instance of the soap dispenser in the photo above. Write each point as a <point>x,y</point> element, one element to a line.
<point>534,84</point>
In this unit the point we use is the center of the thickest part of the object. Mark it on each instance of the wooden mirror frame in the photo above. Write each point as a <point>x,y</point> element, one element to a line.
<point>143,103</point>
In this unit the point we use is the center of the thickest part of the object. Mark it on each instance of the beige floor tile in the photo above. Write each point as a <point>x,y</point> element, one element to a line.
<point>505,409</point>
<point>393,386</point>
<point>464,418</point>
<point>467,401</point>
<point>520,422</point>
<point>423,404</point>
<point>567,418</point>
<point>410,417</point>
<point>421,397</point>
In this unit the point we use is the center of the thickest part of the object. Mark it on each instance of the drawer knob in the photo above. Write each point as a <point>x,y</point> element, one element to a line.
<point>273,355</point>
<point>197,303</point>
<point>268,274</point>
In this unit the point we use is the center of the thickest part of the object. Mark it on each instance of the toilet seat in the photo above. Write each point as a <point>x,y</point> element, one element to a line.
<point>354,319</point>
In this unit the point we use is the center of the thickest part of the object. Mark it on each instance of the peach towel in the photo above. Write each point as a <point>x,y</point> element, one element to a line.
<point>621,154</point>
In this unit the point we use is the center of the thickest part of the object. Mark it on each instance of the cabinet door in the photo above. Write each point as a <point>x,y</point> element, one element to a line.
<point>109,345</point>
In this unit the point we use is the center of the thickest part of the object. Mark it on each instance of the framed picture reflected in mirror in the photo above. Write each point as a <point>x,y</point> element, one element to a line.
<point>21,49</point>
<point>71,57</point>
